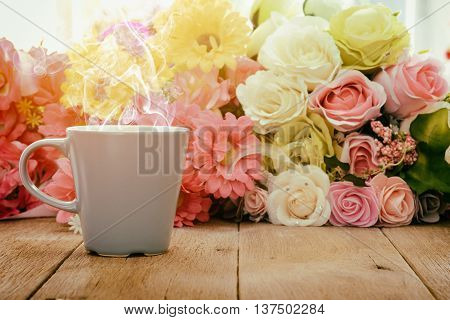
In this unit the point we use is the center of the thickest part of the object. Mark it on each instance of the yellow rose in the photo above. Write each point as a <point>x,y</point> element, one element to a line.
<point>306,140</point>
<point>368,36</point>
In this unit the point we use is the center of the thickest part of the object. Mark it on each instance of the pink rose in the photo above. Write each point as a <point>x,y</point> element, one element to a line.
<point>349,101</point>
<point>360,151</point>
<point>255,203</point>
<point>396,199</point>
<point>412,85</point>
<point>9,80</point>
<point>353,206</point>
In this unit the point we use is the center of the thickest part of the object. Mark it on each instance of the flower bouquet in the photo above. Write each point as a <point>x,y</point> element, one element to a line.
<point>300,116</point>
<point>30,89</point>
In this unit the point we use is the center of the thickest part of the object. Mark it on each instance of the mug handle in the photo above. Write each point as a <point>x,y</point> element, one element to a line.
<point>61,144</point>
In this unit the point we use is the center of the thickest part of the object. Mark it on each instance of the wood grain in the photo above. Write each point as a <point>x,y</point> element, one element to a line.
<point>278,262</point>
<point>31,250</point>
<point>426,248</point>
<point>201,264</point>
<point>275,262</point>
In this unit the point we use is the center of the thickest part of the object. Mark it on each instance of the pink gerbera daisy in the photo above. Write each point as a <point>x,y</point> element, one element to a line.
<point>191,207</point>
<point>226,154</point>
<point>191,180</point>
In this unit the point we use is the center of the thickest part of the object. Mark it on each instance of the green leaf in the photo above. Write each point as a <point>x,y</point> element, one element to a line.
<point>356,181</point>
<point>395,171</point>
<point>432,129</point>
<point>430,172</point>
<point>447,197</point>
<point>423,51</point>
<point>333,162</point>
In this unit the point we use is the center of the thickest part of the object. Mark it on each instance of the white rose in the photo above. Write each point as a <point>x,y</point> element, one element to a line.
<point>272,100</point>
<point>259,36</point>
<point>298,198</point>
<point>303,50</point>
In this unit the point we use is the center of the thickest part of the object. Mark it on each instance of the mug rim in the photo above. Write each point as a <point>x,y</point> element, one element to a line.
<point>120,129</point>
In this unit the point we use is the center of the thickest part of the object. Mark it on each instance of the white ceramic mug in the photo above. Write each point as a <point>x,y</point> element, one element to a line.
<point>127,182</point>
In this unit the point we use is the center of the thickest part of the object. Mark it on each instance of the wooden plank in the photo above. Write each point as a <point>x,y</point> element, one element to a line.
<point>426,248</point>
<point>31,250</point>
<point>201,264</point>
<point>278,262</point>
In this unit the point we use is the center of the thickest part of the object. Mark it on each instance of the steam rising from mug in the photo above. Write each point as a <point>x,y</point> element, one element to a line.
<point>117,75</point>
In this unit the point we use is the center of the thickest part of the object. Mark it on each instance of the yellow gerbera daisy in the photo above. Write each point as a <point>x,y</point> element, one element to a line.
<point>161,18</point>
<point>203,33</point>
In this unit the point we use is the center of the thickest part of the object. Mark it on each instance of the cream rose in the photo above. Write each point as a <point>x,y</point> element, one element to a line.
<point>298,197</point>
<point>272,100</point>
<point>303,50</point>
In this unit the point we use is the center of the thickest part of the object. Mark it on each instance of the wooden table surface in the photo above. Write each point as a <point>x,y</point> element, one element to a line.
<point>221,260</point>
